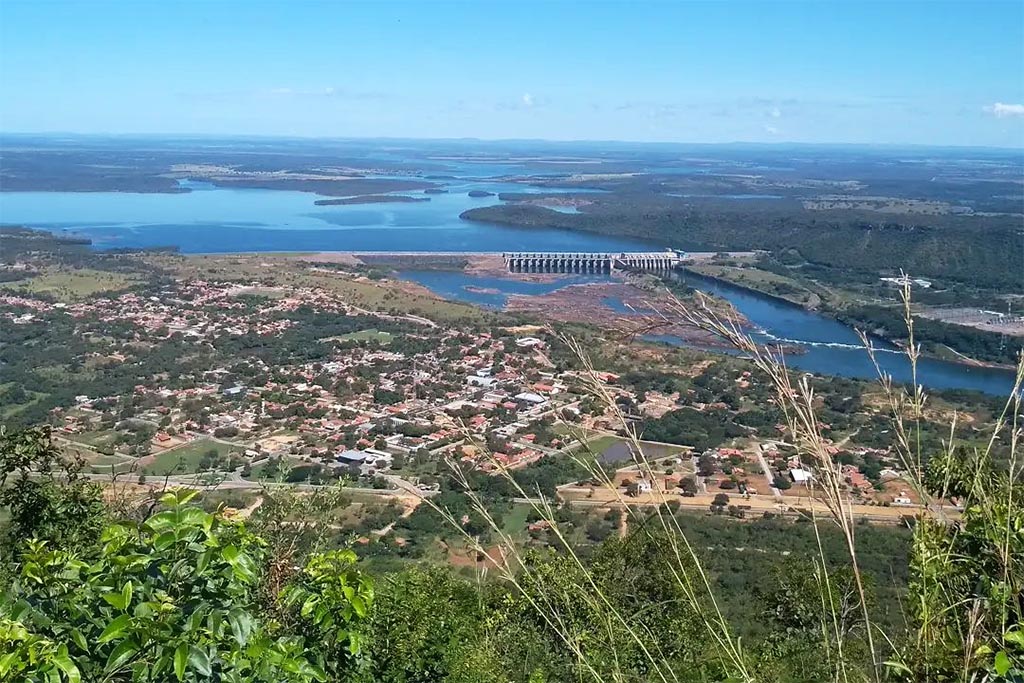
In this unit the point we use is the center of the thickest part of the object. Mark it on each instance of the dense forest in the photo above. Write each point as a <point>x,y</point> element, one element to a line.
<point>888,323</point>
<point>983,251</point>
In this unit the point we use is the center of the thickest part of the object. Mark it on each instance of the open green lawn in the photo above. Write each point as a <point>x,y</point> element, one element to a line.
<point>71,284</point>
<point>366,335</point>
<point>185,459</point>
<point>514,522</point>
<point>62,372</point>
<point>598,444</point>
<point>11,409</point>
<point>97,439</point>
<point>288,271</point>
<point>616,448</point>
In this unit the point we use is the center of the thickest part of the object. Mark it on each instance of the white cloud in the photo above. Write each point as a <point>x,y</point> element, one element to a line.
<point>771,130</point>
<point>1003,111</point>
<point>527,100</point>
<point>775,113</point>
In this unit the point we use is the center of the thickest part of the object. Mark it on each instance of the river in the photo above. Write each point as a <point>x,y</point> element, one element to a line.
<point>827,346</point>
<point>832,348</point>
<point>216,220</point>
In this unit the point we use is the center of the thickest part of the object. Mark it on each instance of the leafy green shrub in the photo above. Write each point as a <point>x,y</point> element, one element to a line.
<point>171,598</point>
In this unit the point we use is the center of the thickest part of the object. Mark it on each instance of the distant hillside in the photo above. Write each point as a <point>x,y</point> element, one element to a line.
<point>981,251</point>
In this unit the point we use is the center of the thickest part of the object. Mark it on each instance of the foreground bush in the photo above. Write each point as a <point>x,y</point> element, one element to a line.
<point>171,598</point>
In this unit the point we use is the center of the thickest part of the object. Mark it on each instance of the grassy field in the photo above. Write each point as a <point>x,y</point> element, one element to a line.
<point>185,459</point>
<point>97,439</point>
<point>598,444</point>
<point>514,522</point>
<point>616,448</point>
<point>763,281</point>
<point>97,462</point>
<point>366,335</point>
<point>9,412</point>
<point>275,270</point>
<point>103,464</point>
<point>69,285</point>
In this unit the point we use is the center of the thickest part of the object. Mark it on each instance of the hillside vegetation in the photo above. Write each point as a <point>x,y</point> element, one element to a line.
<point>157,588</point>
<point>979,250</point>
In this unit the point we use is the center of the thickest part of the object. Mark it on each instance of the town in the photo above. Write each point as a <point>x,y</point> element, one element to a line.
<point>299,386</point>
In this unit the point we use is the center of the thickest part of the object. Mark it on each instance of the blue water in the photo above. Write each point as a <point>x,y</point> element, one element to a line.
<point>827,347</point>
<point>217,220</point>
<point>832,348</point>
<point>453,284</point>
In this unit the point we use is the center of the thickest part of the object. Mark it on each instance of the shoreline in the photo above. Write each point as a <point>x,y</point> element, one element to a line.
<point>581,302</point>
<point>957,357</point>
<point>489,264</point>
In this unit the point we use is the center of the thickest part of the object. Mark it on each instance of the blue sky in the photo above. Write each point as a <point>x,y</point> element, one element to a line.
<point>859,72</point>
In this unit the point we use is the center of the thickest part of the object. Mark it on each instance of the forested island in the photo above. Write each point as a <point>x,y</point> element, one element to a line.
<point>330,187</point>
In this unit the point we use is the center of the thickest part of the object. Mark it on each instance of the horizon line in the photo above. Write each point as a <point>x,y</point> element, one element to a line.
<point>554,141</point>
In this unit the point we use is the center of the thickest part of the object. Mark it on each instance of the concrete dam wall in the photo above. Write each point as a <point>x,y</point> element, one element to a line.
<point>589,262</point>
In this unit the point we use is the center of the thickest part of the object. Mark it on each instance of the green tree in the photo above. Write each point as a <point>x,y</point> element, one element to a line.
<point>331,596</point>
<point>44,494</point>
<point>426,626</point>
<point>171,598</point>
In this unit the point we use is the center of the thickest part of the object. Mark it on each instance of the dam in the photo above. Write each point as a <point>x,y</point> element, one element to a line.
<point>591,262</point>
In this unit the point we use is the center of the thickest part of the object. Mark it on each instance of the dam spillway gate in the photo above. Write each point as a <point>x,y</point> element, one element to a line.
<point>589,262</point>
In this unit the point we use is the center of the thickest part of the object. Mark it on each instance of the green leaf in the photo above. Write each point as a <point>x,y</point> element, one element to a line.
<point>230,554</point>
<point>115,629</point>
<point>1002,663</point>
<point>194,517</point>
<point>898,666</point>
<point>65,664</point>
<point>165,540</point>
<point>204,560</point>
<point>186,495</point>
<point>115,599</point>
<point>359,606</point>
<point>78,639</point>
<point>199,660</point>
<point>241,625</point>
<point>126,593</point>
<point>124,651</point>
<point>19,609</point>
<point>161,521</point>
<point>180,660</point>
<point>1016,637</point>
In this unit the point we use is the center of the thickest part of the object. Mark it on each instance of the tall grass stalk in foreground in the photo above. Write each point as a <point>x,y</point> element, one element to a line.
<point>944,643</point>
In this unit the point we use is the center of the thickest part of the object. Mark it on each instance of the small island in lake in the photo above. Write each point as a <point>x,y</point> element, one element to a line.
<point>372,199</point>
<point>480,193</point>
<point>435,190</point>
<point>481,290</point>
